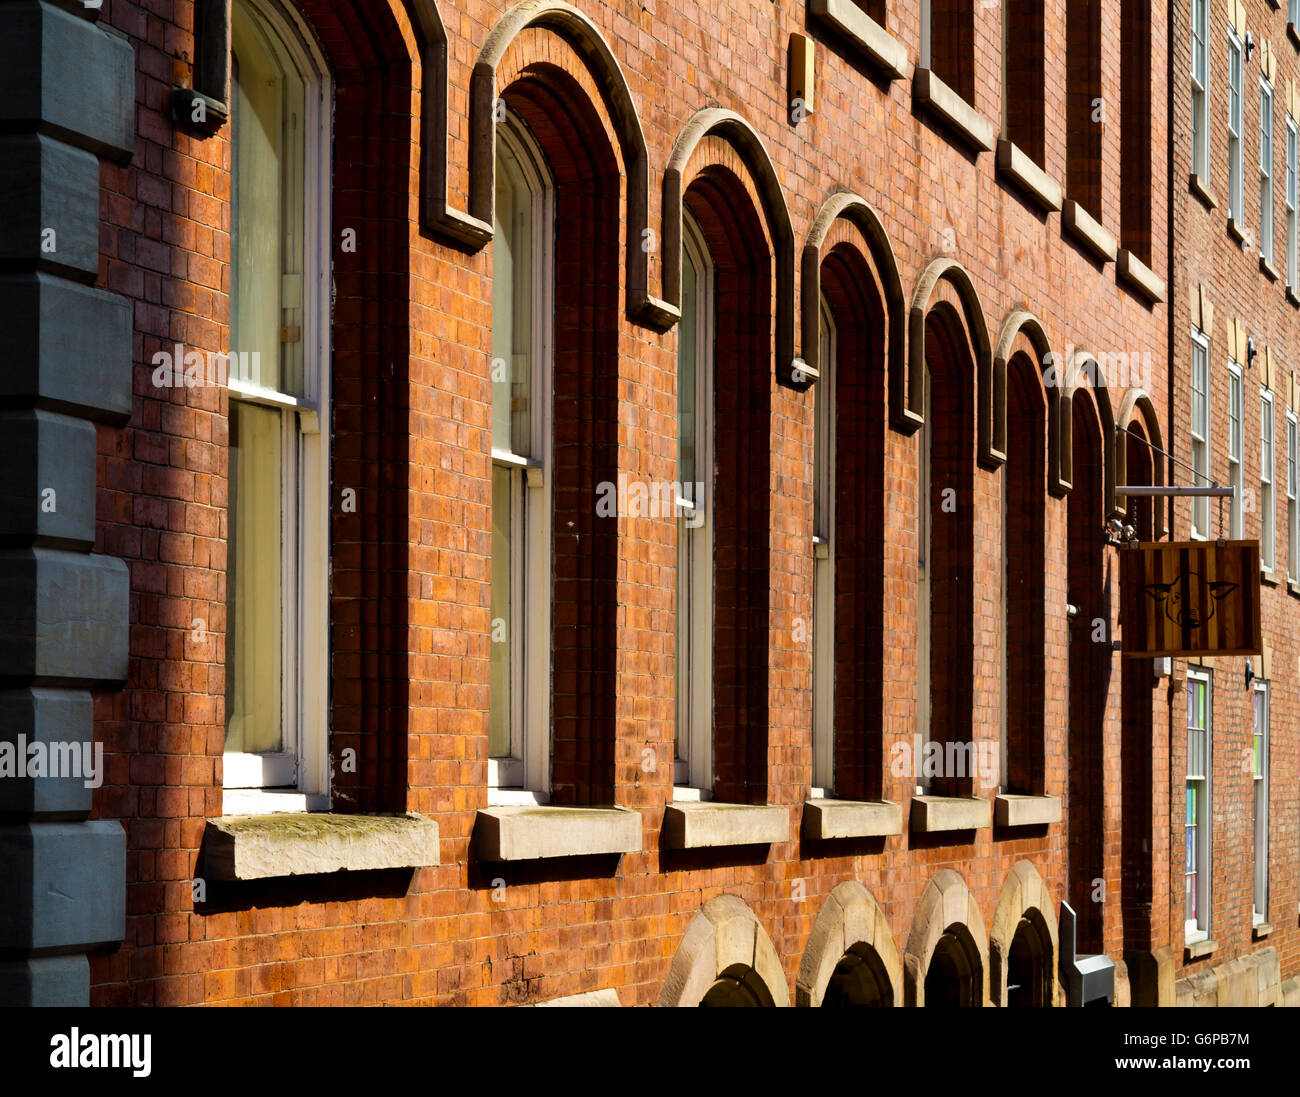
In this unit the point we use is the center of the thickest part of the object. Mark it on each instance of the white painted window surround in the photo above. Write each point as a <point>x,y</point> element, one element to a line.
<point>522,444</point>
<point>693,660</point>
<point>277,642</point>
<point>1200,431</point>
<point>1197,821</point>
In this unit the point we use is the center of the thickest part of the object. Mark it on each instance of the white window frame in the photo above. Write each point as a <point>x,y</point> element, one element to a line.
<point>1200,81</point>
<point>824,562</point>
<point>693,763</point>
<point>1292,490</point>
<point>1260,743</point>
<point>1267,473</point>
<point>524,776</point>
<point>298,778</point>
<point>1236,447</point>
<point>1200,448</point>
<point>1236,121</point>
<point>1292,174</point>
<point>1199,929</point>
<point>1266,171</point>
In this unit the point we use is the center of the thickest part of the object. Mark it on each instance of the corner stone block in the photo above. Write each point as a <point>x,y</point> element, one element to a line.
<point>63,615</point>
<point>60,719</point>
<point>66,347</point>
<point>51,498</point>
<point>45,981</point>
<point>52,200</point>
<point>64,886</point>
<point>68,77</point>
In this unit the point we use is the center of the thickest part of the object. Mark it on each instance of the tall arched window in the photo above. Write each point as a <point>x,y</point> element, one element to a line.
<point>277,628</point>
<point>693,763</point>
<point>824,560</point>
<point>519,680</point>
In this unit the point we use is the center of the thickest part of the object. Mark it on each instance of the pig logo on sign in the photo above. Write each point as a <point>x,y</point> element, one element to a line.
<point>1197,607</point>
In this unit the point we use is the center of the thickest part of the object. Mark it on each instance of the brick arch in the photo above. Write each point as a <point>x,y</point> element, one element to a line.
<point>855,288</point>
<point>369,51</point>
<point>1085,378</point>
<point>1023,893</point>
<point>1138,408</point>
<point>729,127</point>
<point>850,921</point>
<point>1023,333</point>
<point>566,122</point>
<point>587,57</point>
<point>724,939</point>
<point>726,210</point>
<point>909,397</point>
<point>846,206</point>
<point>945,904</point>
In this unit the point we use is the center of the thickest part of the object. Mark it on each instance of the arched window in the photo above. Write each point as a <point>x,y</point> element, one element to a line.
<point>277,628</point>
<point>693,763</point>
<point>520,687</point>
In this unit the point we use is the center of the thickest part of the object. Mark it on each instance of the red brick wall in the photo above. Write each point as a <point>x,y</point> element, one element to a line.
<point>410,606</point>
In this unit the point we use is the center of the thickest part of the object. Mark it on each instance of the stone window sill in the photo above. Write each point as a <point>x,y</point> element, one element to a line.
<point>824,818</point>
<point>1268,577</point>
<point>935,814</point>
<point>1201,189</point>
<point>263,847</point>
<point>530,832</point>
<point>1236,231</point>
<point>1017,166</point>
<point>1267,269</point>
<point>1292,299</point>
<point>1195,950</point>
<point>1293,34</point>
<point>1293,587</point>
<point>885,52</point>
<point>931,93</point>
<point>1139,277</point>
<point>1012,809</point>
<point>1260,930</point>
<point>1088,231</point>
<point>252,801</point>
<point>704,824</point>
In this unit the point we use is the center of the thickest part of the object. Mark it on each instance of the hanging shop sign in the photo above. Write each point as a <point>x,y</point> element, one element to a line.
<point>1189,598</point>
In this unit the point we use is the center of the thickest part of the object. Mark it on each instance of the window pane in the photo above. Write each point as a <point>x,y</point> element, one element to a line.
<point>267,218</point>
<point>254,641</point>
<point>499,696</point>
<point>687,342</point>
<point>512,308</point>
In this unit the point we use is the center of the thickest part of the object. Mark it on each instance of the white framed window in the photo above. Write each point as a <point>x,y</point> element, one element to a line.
<point>924,575</point>
<point>1266,171</point>
<point>1259,912</point>
<point>519,695</point>
<point>824,419</point>
<point>1200,431</point>
<point>1292,240</point>
<point>1267,540</point>
<point>1235,448</point>
<point>1235,53</point>
<point>277,625</point>
<point>1292,489</point>
<point>1201,88</point>
<point>1196,825</point>
<point>693,665</point>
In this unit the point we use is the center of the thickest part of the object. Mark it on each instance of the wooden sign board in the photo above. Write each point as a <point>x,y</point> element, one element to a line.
<point>1190,598</point>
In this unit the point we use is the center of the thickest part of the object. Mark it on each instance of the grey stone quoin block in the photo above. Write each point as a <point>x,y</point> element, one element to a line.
<point>49,494</point>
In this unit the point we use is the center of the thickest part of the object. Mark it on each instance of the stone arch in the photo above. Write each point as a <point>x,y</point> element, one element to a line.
<point>860,213</point>
<point>907,396</point>
<point>749,147</point>
<point>945,909</point>
<point>724,942</point>
<point>851,924</point>
<point>585,39</point>
<point>1023,894</point>
<point>1137,404</point>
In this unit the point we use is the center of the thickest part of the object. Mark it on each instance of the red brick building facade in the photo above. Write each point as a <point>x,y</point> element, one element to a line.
<point>971,240</point>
